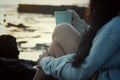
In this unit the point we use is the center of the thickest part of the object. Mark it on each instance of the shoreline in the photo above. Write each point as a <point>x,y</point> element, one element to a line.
<point>49,9</point>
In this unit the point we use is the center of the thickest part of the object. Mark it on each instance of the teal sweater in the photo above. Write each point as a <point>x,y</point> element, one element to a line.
<point>104,56</point>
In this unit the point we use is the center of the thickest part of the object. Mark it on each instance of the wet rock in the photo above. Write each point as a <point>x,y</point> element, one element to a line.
<point>49,9</point>
<point>15,69</point>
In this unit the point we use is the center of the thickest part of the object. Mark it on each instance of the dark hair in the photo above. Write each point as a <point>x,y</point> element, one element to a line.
<point>8,46</point>
<point>98,13</point>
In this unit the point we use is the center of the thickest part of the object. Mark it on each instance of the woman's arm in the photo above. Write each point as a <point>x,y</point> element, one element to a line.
<point>104,46</point>
<point>60,67</point>
<point>40,75</point>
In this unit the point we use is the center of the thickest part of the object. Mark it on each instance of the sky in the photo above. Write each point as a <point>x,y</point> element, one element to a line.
<point>51,2</point>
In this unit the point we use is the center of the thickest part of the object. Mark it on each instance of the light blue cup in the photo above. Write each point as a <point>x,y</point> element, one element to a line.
<point>63,17</point>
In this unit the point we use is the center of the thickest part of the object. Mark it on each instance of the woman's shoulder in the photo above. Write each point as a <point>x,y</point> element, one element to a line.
<point>111,29</point>
<point>115,22</point>
<point>111,26</point>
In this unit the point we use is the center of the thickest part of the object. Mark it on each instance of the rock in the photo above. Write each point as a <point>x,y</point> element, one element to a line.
<point>49,9</point>
<point>15,69</point>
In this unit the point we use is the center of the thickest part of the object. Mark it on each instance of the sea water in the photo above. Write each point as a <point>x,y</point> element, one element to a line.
<point>32,39</point>
<point>32,31</point>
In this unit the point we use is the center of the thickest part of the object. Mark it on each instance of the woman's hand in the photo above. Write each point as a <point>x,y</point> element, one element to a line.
<point>40,75</point>
<point>75,17</point>
<point>79,24</point>
<point>44,76</point>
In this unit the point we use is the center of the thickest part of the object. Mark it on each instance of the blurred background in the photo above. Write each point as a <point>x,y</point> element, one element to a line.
<point>32,22</point>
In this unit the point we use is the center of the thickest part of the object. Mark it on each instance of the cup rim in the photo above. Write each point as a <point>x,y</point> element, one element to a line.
<point>62,11</point>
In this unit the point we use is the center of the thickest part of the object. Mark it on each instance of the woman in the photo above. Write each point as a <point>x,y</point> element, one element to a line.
<point>65,39</point>
<point>99,49</point>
